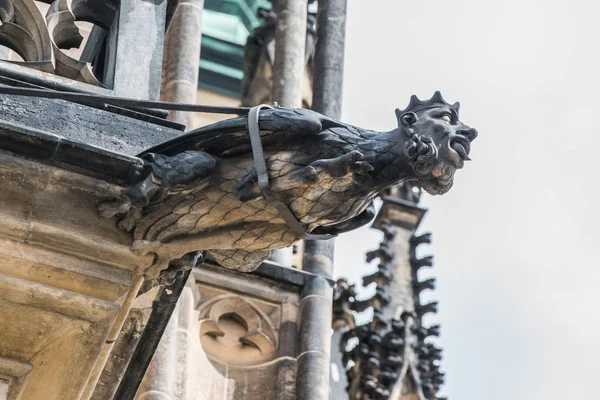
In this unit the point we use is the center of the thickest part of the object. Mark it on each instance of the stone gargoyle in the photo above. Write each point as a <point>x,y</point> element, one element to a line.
<point>200,191</point>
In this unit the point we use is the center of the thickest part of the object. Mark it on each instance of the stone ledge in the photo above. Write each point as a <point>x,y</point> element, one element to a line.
<point>82,124</point>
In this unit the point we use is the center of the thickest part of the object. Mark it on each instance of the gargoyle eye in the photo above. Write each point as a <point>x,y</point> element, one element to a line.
<point>447,118</point>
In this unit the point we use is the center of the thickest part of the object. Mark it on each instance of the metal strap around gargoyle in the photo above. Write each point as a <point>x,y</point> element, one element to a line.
<point>260,165</point>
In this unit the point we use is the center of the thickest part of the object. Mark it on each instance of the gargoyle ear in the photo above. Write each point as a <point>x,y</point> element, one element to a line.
<point>398,115</point>
<point>406,120</point>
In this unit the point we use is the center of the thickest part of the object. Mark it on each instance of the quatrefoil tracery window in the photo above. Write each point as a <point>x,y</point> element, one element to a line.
<point>234,331</point>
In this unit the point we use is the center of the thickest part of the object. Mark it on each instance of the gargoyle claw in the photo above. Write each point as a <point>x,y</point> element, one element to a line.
<point>143,247</point>
<point>355,165</point>
<point>162,252</point>
<point>345,164</point>
<point>361,168</point>
<point>129,221</point>
<point>353,156</point>
<point>110,208</point>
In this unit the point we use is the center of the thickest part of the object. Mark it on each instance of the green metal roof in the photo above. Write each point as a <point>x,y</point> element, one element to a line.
<point>226,25</point>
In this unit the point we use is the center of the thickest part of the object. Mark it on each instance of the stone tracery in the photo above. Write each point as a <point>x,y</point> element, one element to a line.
<point>230,322</point>
<point>43,43</point>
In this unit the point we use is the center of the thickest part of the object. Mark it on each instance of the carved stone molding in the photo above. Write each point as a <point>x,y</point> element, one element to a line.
<point>235,331</point>
<point>14,373</point>
<point>66,275</point>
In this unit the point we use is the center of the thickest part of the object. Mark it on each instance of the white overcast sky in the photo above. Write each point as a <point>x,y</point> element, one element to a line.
<point>516,241</point>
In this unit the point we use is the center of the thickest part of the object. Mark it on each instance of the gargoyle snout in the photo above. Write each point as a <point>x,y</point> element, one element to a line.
<point>469,133</point>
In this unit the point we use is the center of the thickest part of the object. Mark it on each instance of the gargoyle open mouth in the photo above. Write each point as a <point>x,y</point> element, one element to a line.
<point>459,150</point>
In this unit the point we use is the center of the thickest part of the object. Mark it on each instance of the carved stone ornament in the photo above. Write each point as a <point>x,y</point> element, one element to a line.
<point>236,332</point>
<point>42,42</point>
<point>201,190</point>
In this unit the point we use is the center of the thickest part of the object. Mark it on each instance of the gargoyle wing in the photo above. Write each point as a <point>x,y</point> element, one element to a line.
<point>230,137</point>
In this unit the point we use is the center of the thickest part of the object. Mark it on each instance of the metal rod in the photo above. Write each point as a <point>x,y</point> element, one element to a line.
<point>84,98</point>
<point>162,310</point>
<point>112,336</point>
<point>24,75</point>
<point>312,381</point>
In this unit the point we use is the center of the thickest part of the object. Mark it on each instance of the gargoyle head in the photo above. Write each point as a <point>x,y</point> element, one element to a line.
<point>438,143</point>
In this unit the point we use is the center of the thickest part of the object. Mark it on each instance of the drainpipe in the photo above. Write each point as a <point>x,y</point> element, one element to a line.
<point>180,59</point>
<point>312,380</point>
<point>288,71</point>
